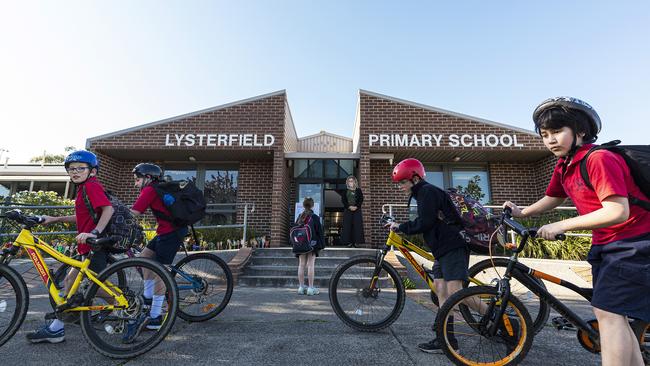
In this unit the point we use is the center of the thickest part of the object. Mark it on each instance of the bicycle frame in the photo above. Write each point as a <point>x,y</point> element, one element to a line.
<point>33,246</point>
<point>174,270</point>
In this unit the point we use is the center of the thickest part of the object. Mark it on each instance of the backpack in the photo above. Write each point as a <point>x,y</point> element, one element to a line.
<point>300,237</point>
<point>637,158</point>
<point>185,202</point>
<point>122,227</point>
<point>477,224</point>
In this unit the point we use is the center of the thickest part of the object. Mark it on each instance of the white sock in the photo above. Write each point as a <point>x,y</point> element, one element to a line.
<point>148,288</point>
<point>156,305</point>
<point>55,326</point>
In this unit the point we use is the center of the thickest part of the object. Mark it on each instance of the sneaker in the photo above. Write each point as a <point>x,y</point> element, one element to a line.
<point>44,334</point>
<point>311,291</point>
<point>155,323</point>
<point>302,290</point>
<point>435,346</point>
<point>134,327</point>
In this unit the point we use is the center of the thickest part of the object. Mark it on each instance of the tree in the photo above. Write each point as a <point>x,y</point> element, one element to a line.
<point>52,158</point>
<point>473,188</point>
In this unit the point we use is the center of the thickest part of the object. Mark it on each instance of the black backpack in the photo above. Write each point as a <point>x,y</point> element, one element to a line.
<point>477,224</point>
<point>123,227</point>
<point>184,201</point>
<point>301,237</point>
<point>637,158</point>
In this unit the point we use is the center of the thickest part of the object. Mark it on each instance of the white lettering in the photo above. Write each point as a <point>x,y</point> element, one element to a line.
<point>503,138</point>
<point>189,140</point>
<point>414,141</point>
<point>463,138</point>
<point>401,140</point>
<point>201,136</point>
<point>211,138</point>
<point>231,138</point>
<point>255,142</point>
<point>516,143</point>
<point>492,140</point>
<point>426,140</point>
<point>178,139</point>
<point>269,140</point>
<point>477,139</point>
<point>438,139</point>
<point>167,143</point>
<point>222,140</point>
<point>247,140</point>
<point>384,139</point>
<point>372,139</point>
<point>453,141</point>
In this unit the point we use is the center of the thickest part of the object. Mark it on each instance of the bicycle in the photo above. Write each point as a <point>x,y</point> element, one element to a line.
<point>357,285</point>
<point>495,327</point>
<point>205,283</point>
<point>106,308</point>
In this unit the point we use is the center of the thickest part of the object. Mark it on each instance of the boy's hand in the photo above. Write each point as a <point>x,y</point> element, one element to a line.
<point>550,231</point>
<point>393,226</point>
<point>81,238</point>
<point>516,211</point>
<point>48,220</point>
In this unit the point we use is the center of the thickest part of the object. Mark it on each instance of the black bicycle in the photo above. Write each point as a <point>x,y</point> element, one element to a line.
<point>487,325</point>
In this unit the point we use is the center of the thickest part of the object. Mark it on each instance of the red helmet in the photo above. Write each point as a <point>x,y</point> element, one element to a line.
<point>408,168</point>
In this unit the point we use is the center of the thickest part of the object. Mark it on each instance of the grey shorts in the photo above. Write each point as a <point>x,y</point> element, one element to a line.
<point>452,265</point>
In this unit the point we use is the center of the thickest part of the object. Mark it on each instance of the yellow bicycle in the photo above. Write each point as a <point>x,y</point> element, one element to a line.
<point>108,303</point>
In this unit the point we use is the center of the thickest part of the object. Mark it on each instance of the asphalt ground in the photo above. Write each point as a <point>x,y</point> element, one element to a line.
<point>276,326</point>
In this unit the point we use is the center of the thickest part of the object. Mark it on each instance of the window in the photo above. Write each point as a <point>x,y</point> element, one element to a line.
<point>435,176</point>
<point>318,169</point>
<point>5,189</point>
<point>220,186</point>
<point>174,174</point>
<point>472,182</point>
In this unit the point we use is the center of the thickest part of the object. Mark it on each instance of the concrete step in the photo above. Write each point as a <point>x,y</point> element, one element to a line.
<point>328,252</point>
<point>280,281</point>
<point>255,270</point>
<point>289,261</point>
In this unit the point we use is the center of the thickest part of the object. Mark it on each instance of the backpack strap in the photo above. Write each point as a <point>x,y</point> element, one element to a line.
<point>89,206</point>
<point>585,174</point>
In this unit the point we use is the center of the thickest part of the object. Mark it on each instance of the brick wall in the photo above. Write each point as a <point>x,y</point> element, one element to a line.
<point>254,188</point>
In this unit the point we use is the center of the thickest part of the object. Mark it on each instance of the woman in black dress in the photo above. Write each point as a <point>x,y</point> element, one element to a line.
<point>352,233</point>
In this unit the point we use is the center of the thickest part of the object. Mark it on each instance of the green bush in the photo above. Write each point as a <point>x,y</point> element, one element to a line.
<point>408,283</point>
<point>42,198</point>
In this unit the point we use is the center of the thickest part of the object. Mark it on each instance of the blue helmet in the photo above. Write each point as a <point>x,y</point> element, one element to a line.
<point>82,156</point>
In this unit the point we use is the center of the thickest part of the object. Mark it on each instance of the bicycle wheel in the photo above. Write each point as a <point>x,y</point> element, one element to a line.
<point>463,324</point>
<point>538,309</point>
<point>14,301</point>
<point>106,331</point>
<point>360,306</point>
<point>204,284</point>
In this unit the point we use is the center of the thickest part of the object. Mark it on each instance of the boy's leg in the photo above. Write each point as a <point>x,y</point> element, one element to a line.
<point>618,344</point>
<point>311,263</point>
<point>302,261</point>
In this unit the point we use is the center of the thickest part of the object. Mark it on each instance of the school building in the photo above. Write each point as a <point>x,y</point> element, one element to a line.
<point>248,152</point>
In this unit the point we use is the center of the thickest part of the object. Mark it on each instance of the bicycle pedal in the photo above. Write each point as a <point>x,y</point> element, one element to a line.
<point>50,316</point>
<point>561,323</point>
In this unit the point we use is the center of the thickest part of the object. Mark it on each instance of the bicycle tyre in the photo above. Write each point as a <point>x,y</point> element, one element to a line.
<point>541,309</point>
<point>9,278</point>
<point>456,353</point>
<point>92,334</point>
<point>366,264</point>
<point>215,309</point>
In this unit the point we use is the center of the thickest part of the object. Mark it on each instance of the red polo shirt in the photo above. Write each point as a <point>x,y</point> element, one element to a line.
<point>98,199</point>
<point>610,176</point>
<point>149,199</point>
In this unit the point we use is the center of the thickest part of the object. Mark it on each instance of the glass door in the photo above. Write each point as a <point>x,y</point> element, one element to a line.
<point>313,190</point>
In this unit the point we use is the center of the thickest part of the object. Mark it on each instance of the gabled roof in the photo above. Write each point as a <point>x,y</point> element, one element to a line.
<point>451,113</point>
<point>187,115</point>
<point>321,133</point>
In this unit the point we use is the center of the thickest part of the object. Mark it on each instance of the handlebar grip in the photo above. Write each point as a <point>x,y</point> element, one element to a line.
<point>507,210</point>
<point>560,237</point>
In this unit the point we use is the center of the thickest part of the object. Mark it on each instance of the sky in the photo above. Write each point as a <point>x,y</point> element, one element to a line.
<point>70,70</point>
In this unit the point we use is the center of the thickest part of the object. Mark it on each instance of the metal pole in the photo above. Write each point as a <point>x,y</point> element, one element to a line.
<point>245,221</point>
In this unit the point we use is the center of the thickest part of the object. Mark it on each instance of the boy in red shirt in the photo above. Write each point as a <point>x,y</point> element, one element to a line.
<point>82,166</point>
<point>620,252</point>
<point>162,248</point>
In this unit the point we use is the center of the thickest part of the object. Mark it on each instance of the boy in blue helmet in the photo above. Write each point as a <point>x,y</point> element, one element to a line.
<point>82,167</point>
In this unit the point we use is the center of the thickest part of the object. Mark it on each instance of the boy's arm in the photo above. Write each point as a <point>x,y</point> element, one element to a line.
<point>615,210</point>
<point>427,216</point>
<point>54,219</point>
<point>546,203</point>
<point>104,218</point>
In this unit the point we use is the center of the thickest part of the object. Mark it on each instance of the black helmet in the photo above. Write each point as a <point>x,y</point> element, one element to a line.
<point>575,104</point>
<point>144,170</point>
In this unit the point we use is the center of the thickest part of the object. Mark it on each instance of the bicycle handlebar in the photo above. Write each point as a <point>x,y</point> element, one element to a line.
<point>19,217</point>
<point>524,232</point>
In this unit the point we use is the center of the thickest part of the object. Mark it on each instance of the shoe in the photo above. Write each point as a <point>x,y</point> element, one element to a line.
<point>155,323</point>
<point>134,327</point>
<point>511,340</point>
<point>44,334</point>
<point>311,291</point>
<point>352,245</point>
<point>435,346</point>
<point>302,290</point>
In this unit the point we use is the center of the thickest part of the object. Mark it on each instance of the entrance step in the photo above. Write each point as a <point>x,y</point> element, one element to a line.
<point>278,267</point>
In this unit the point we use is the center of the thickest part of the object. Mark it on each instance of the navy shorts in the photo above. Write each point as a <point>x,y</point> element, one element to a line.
<point>621,277</point>
<point>452,265</point>
<point>166,245</point>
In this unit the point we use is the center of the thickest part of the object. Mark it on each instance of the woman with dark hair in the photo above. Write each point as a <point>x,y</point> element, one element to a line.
<point>309,259</point>
<point>352,198</point>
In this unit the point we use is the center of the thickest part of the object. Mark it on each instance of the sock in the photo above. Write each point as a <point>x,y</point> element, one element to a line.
<point>156,305</point>
<point>148,288</point>
<point>55,326</point>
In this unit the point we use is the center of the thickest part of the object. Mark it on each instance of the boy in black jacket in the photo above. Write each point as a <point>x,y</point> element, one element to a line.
<point>444,241</point>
